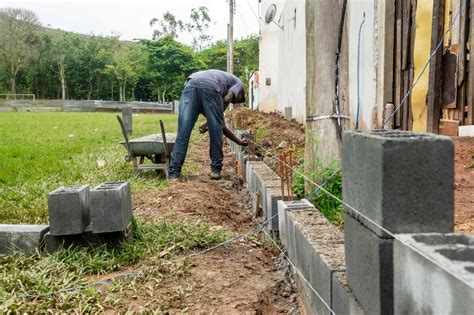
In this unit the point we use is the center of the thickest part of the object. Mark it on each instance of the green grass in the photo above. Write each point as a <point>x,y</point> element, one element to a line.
<point>157,252</point>
<point>43,151</point>
<point>326,204</point>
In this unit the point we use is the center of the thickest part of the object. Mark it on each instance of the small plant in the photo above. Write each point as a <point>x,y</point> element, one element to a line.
<point>327,204</point>
<point>298,182</point>
<point>331,180</point>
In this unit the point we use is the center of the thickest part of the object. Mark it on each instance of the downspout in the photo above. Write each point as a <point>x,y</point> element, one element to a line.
<point>358,73</point>
<point>337,107</point>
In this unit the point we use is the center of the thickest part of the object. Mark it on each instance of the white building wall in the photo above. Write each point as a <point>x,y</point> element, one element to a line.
<point>368,62</point>
<point>268,60</point>
<point>292,59</point>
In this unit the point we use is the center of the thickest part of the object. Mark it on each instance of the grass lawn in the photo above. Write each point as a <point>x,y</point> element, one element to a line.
<point>43,151</point>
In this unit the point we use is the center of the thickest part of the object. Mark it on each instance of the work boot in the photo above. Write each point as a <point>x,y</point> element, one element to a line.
<point>215,175</point>
<point>173,179</point>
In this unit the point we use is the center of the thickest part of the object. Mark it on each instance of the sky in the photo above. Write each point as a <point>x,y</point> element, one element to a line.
<point>130,19</point>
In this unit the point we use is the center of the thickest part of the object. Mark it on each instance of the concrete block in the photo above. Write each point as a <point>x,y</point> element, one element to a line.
<point>69,210</point>
<point>466,131</point>
<point>319,253</point>
<point>88,239</point>
<point>270,207</point>
<point>23,238</point>
<point>434,274</point>
<point>111,207</point>
<point>251,168</point>
<point>401,180</point>
<point>343,300</point>
<point>283,208</point>
<point>369,265</point>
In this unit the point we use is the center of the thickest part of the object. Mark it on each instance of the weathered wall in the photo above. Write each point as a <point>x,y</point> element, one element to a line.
<point>375,60</point>
<point>322,29</point>
<point>366,77</point>
<point>268,59</point>
<point>292,60</point>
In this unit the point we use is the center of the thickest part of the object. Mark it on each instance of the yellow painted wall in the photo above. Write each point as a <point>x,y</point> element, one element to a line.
<point>424,17</point>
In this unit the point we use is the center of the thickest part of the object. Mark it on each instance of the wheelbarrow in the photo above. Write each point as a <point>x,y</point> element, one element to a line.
<point>155,148</point>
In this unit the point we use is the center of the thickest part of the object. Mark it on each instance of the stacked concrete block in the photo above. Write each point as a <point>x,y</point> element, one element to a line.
<point>396,181</point>
<point>69,210</point>
<point>111,207</point>
<point>319,254</point>
<point>283,222</point>
<point>270,206</point>
<point>434,274</point>
<point>401,180</point>
<point>53,243</point>
<point>343,300</point>
<point>24,238</point>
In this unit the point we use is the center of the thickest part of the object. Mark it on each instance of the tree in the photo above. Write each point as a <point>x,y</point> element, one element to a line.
<point>169,64</point>
<point>42,72</point>
<point>66,56</point>
<point>127,66</point>
<point>245,55</point>
<point>16,38</point>
<point>169,25</point>
<point>199,24</point>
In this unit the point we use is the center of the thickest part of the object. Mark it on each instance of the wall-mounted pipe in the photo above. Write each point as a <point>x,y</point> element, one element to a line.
<point>337,106</point>
<point>358,72</point>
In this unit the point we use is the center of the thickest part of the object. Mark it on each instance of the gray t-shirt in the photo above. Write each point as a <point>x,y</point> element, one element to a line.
<point>223,82</point>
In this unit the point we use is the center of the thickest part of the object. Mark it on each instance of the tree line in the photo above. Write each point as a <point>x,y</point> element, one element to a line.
<point>54,64</point>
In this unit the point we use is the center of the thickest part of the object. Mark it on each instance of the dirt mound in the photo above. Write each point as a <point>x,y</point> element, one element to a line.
<point>271,128</point>
<point>196,200</point>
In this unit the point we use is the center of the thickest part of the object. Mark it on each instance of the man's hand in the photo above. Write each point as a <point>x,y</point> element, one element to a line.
<point>244,142</point>
<point>203,128</point>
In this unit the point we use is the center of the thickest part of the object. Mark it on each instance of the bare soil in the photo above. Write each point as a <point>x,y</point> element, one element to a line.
<point>241,278</point>
<point>464,185</point>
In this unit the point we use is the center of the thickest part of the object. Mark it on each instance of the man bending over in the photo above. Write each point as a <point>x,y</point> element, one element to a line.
<point>209,93</point>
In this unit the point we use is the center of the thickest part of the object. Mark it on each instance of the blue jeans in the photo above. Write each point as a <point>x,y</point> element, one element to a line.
<point>198,98</point>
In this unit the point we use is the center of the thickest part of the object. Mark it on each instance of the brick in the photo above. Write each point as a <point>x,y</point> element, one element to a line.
<point>23,238</point>
<point>448,127</point>
<point>443,264</point>
<point>369,265</point>
<point>343,301</point>
<point>401,180</point>
<point>69,210</point>
<point>111,207</point>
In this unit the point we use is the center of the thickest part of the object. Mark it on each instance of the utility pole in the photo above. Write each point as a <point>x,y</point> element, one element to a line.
<point>230,38</point>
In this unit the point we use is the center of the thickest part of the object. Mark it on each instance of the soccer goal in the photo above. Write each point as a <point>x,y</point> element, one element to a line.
<point>17,97</point>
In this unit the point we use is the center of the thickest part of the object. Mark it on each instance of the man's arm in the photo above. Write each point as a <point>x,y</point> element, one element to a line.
<point>229,98</point>
<point>228,133</point>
